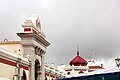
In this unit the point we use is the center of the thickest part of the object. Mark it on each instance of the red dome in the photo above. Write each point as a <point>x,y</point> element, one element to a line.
<point>77,61</point>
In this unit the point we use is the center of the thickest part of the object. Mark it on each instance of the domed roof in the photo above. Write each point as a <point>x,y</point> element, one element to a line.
<point>77,61</point>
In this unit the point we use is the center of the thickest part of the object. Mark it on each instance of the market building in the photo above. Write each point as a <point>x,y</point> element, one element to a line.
<point>79,65</point>
<point>111,73</point>
<point>24,60</point>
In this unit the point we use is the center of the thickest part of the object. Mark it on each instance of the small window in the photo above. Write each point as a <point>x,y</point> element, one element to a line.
<point>68,73</point>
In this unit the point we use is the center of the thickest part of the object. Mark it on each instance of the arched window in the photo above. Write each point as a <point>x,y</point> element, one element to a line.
<point>46,78</point>
<point>24,76</point>
<point>68,73</point>
<point>81,72</point>
<point>37,68</point>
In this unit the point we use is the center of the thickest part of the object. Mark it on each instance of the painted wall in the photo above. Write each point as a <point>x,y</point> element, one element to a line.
<point>8,71</point>
<point>14,47</point>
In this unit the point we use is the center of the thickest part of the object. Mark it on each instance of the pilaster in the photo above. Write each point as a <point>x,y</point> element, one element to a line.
<point>35,44</point>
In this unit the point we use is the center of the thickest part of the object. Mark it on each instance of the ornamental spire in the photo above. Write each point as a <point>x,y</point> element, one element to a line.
<point>77,50</point>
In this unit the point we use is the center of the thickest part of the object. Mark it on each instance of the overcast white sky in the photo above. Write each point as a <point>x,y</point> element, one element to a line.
<point>88,23</point>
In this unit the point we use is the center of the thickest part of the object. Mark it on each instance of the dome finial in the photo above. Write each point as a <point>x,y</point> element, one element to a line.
<point>77,50</point>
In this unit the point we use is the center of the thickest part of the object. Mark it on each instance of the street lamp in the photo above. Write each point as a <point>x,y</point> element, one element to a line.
<point>117,60</point>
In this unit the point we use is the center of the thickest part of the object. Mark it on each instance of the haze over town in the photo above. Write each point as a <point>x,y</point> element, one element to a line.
<point>68,23</point>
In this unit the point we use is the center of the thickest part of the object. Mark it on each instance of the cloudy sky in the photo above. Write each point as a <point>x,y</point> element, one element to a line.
<point>88,23</point>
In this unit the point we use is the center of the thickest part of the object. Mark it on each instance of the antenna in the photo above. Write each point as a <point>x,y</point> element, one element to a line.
<point>92,52</point>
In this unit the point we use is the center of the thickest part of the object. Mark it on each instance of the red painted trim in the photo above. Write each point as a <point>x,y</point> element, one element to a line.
<point>95,67</point>
<point>13,63</point>
<point>80,69</point>
<point>46,74</point>
<point>90,70</point>
<point>24,67</point>
<point>50,75</point>
<point>33,30</point>
<point>7,62</point>
<point>37,23</point>
<point>69,70</point>
<point>27,29</point>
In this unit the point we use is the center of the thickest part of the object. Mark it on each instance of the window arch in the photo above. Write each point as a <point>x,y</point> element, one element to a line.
<point>24,76</point>
<point>81,72</point>
<point>68,73</point>
<point>37,68</point>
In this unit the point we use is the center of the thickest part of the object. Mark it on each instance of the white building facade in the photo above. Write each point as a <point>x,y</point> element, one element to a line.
<point>24,60</point>
<point>79,65</point>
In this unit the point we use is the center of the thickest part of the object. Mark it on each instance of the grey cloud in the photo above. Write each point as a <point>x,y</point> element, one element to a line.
<point>89,23</point>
